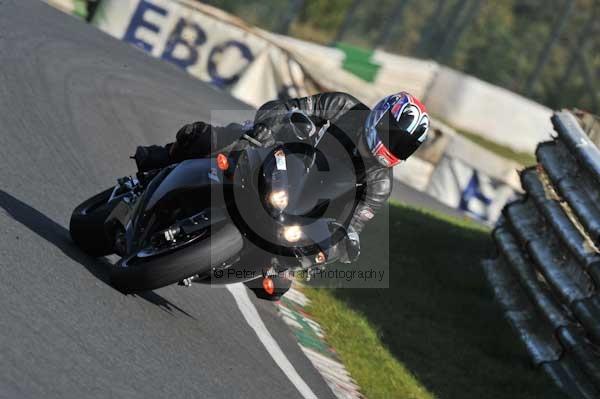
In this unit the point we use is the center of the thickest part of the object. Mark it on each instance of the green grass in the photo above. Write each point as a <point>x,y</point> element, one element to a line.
<point>524,158</point>
<point>436,331</point>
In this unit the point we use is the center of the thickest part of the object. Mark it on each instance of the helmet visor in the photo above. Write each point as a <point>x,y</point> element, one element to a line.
<point>397,139</point>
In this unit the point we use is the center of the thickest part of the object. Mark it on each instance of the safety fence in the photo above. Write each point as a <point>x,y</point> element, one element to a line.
<point>547,270</point>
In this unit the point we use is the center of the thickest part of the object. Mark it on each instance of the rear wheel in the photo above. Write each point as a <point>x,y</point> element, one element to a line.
<point>143,273</point>
<point>87,225</point>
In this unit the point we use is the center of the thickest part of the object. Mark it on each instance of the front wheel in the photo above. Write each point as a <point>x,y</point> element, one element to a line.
<point>87,224</point>
<point>139,273</point>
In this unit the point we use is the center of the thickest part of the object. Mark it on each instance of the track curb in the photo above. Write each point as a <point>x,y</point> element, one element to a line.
<point>311,339</point>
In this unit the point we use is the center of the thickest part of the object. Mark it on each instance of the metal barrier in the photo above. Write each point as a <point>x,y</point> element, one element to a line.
<point>546,275</point>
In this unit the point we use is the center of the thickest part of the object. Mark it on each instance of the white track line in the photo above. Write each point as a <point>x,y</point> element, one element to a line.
<point>253,319</point>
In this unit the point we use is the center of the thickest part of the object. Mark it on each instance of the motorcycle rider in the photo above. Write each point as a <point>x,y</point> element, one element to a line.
<point>382,137</point>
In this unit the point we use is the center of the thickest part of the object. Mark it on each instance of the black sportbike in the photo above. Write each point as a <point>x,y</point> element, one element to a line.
<point>245,216</point>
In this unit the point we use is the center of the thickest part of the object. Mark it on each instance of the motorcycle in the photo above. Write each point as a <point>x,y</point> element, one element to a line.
<point>247,216</point>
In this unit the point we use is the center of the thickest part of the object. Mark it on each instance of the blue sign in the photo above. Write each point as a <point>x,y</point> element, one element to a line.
<point>473,192</point>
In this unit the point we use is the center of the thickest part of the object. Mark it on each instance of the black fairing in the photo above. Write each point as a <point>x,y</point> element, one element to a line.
<point>176,192</point>
<point>320,190</point>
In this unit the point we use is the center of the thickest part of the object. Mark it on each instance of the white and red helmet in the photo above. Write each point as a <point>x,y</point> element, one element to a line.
<point>395,128</point>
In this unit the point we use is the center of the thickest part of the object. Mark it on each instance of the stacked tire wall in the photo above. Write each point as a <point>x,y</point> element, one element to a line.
<point>546,275</point>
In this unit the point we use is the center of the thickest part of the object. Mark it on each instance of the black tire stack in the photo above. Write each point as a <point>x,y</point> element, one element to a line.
<point>546,275</point>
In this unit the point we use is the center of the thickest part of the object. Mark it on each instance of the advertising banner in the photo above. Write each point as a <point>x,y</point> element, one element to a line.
<point>212,46</point>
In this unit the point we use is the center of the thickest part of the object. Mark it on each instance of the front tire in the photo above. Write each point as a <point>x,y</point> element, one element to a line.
<point>147,273</point>
<point>87,225</point>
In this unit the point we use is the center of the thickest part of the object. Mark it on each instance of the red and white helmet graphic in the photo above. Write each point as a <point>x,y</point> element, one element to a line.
<point>396,127</point>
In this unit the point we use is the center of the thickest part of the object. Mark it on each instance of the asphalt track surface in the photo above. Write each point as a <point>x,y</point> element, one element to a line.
<point>74,104</point>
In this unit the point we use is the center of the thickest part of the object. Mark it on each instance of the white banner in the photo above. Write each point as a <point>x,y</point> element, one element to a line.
<point>462,175</point>
<point>211,45</point>
<point>461,100</point>
<point>461,186</point>
<point>490,111</point>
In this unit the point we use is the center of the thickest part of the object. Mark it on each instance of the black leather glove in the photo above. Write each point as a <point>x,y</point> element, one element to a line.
<point>186,134</point>
<point>263,134</point>
<point>352,246</point>
<point>151,157</point>
<point>347,249</point>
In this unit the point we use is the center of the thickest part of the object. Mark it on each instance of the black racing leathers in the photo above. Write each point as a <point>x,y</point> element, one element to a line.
<point>346,116</point>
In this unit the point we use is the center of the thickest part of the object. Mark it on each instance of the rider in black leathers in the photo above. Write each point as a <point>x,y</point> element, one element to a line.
<point>381,137</point>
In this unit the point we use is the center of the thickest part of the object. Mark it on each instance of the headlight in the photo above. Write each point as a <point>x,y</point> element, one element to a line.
<point>320,258</point>
<point>292,233</point>
<point>279,199</point>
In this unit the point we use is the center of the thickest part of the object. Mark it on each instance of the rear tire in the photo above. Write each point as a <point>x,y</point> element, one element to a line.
<point>87,225</point>
<point>144,274</point>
